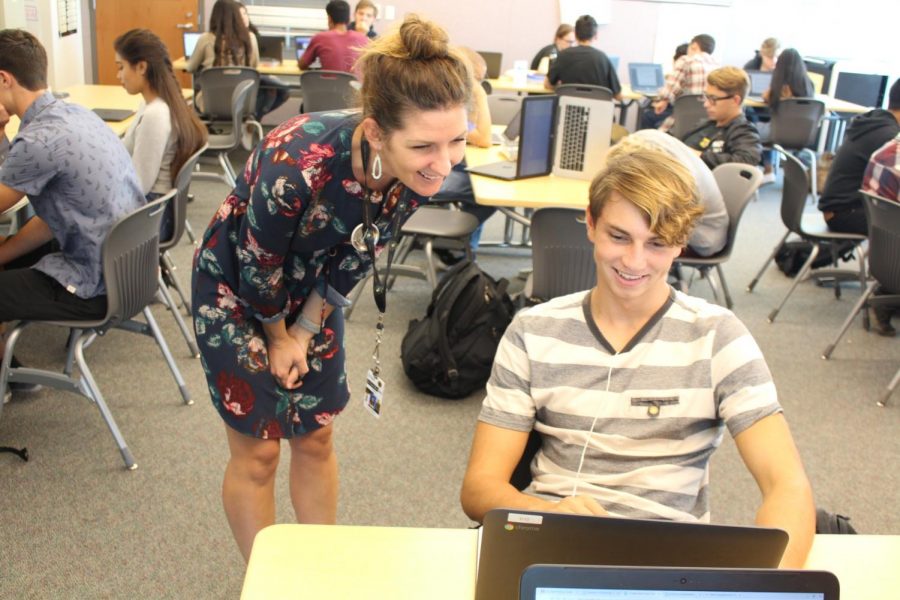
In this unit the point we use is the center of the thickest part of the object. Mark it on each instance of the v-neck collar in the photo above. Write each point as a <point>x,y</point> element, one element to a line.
<point>592,325</point>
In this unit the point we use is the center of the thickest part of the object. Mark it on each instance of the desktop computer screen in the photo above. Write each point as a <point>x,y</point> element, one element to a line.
<point>861,88</point>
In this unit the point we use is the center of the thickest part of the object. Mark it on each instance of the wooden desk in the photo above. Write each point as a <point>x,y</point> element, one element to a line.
<point>534,192</point>
<point>98,96</point>
<point>321,561</point>
<point>336,562</point>
<point>286,68</point>
<point>831,105</point>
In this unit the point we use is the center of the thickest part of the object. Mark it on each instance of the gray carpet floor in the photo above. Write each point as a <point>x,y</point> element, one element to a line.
<point>75,524</point>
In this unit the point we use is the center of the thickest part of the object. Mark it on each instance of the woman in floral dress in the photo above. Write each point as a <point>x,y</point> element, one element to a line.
<point>276,261</point>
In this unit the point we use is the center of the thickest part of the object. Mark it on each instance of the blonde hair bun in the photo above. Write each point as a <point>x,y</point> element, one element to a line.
<point>423,40</point>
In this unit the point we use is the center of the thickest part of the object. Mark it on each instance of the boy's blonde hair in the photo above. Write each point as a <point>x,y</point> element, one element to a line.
<point>731,80</point>
<point>660,186</point>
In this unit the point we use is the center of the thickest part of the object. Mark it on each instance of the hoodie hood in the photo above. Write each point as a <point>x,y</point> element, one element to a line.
<point>864,124</point>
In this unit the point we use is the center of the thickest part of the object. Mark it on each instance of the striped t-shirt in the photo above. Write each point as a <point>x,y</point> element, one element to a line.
<point>661,403</point>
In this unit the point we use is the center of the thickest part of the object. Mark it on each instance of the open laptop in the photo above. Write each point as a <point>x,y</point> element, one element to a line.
<point>301,42</point>
<point>511,540</point>
<point>190,42</point>
<point>535,133</point>
<point>583,132</point>
<point>113,114</point>
<point>646,78</point>
<point>492,60</point>
<point>271,48</point>
<point>568,582</point>
<point>760,81</point>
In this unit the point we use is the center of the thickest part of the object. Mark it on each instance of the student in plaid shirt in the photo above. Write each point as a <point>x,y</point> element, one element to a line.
<point>882,176</point>
<point>688,77</point>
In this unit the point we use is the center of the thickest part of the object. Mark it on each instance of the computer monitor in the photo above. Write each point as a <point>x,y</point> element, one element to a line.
<point>492,60</point>
<point>190,42</point>
<point>301,42</point>
<point>866,89</point>
<point>271,47</point>
<point>645,78</point>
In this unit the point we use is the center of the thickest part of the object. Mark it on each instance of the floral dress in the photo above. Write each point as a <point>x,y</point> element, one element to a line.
<point>283,232</point>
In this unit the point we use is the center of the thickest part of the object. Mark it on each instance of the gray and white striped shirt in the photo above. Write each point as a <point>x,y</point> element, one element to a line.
<point>658,407</point>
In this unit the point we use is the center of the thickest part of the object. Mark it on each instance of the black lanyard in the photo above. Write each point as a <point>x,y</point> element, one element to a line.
<point>379,288</point>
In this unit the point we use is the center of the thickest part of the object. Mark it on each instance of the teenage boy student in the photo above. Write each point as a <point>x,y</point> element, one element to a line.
<point>687,77</point>
<point>338,48</point>
<point>364,18</point>
<point>840,200</point>
<point>79,180</point>
<point>631,384</point>
<point>728,136</point>
<point>583,63</point>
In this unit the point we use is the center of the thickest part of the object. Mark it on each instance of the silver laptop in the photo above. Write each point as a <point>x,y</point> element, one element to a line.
<point>645,78</point>
<point>535,148</point>
<point>511,540</point>
<point>583,131</point>
<point>760,81</point>
<point>190,42</point>
<point>568,582</point>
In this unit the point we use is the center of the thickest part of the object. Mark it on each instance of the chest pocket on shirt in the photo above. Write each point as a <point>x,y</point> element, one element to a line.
<point>655,405</point>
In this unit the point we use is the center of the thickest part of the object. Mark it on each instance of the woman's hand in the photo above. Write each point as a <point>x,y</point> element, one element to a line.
<point>287,361</point>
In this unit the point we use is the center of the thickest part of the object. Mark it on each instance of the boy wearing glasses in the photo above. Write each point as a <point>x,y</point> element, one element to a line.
<point>727,136</point>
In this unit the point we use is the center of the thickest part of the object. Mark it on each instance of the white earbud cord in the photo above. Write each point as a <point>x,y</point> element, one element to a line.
<point>591,432</point>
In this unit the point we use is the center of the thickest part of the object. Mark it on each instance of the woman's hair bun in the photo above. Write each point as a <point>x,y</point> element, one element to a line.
<point>423,40</point>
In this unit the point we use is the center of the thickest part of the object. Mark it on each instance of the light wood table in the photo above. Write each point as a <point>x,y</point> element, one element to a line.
<point>336,562</point>
<point>98,96</point>
<point>286,68</point>
<point>333,561</point>
<point>534,192</point>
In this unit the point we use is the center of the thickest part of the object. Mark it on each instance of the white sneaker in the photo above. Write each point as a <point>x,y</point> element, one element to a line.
<point>768,178</point>
<point>7,396</point>
<point>248,135</point>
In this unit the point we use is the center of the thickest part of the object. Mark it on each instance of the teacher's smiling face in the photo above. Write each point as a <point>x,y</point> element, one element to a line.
<point>422,152</point>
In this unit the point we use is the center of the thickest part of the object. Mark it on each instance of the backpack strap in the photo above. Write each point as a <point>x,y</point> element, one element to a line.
<point>456,284</point>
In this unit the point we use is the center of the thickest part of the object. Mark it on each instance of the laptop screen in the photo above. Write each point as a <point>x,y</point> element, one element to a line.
<point>536,135</point>
<point>190,42</point>
<point>568,582</point>
<point>645,76</point>
<point>760,81</point>
<point>301,42</point>
<point>492,60</point>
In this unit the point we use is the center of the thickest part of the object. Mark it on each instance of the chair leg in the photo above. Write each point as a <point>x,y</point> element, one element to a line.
<point>728,303</point>
<point>189,231</point>
<point>860,305</point>
<point>807,266</point>
<point>430,268</point>
<point>354,296</point>
<point>813,183</point>
<point>182,326</point>
<point>93,392</point>
<point>74,334</point>
<point>890,389</point>
<point>228,176</point>
<point>164,348</point>
<point>768,261</point>
<point>169,267</point>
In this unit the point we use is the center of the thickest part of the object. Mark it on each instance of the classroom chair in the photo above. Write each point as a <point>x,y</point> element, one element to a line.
<point>226,129</point>
<point>738,183</point>
<point>584,90</point>
<point>884,269</point>
<point>326,90</point>
<point>503,108</point>
<point>810,227</point>
<point>795,126</point>
<point>130,256</point>
<point>562,255</point>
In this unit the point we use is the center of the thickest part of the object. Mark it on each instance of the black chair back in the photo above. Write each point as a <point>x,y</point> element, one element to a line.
<point>884,241</point>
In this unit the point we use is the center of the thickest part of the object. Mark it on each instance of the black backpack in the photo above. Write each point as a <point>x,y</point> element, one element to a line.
<point>449,352</point>
<point>791,256</point>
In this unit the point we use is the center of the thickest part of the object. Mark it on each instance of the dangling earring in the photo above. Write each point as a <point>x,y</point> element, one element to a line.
<point>376,167</point>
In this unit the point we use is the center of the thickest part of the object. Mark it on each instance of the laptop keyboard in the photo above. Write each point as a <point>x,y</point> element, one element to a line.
<point>574,138</point>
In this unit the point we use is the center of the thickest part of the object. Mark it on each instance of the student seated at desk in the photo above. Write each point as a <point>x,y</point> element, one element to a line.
<point>228,43</point>
<point>766,57</point>
<point>583,63</point>
<point>272,91</point>
<point>727,136</point>
<point>79,181</point>
<point>840,200</point>
<point>364,18</point>
<point>165,132</point>
<point>687,77</point>
<point>564,38</point>
<point>338,48</point>
<point>630,385</point>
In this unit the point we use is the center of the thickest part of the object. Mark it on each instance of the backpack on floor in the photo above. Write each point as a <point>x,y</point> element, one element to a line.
<point>449,352</point>
<point>791,256</point>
